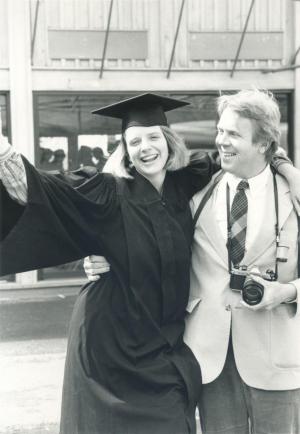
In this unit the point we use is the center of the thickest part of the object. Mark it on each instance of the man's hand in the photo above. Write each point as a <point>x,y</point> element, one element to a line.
<point>94,266</point>
<point>275,293</point>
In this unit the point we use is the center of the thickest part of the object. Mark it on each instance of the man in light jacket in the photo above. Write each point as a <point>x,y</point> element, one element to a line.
<point>248,349</point>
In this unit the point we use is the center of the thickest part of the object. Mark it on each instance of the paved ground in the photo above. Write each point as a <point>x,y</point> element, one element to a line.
<point>33,327</point>
<point>30,392</point>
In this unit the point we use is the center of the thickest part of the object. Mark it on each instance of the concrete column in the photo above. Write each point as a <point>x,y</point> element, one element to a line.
<point>297,85</point>
<point>19,49</point>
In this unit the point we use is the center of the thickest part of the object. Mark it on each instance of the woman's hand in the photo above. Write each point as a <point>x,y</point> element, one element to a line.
<point>94,266</point>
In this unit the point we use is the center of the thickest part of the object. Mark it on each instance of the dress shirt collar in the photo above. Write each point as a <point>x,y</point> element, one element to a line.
<point>256,184</point>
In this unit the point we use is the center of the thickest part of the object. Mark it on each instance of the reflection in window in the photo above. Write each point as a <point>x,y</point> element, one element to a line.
<point>93,150</point>
<point>197,122</point>
<point>53,153</point>
<point>69,137</point>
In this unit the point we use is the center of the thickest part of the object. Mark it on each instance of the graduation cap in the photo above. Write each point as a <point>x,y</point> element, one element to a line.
<point>144,110</point>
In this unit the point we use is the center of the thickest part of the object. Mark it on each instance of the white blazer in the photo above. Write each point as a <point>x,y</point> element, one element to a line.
<point>266,344</point>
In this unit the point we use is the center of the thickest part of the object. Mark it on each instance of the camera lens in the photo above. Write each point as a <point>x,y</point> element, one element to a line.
<point>252,292</point>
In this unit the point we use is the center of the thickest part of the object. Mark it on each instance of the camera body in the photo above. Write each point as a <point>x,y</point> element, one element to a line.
<point>252,292</point>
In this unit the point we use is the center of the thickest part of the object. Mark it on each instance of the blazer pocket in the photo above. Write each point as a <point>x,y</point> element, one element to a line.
<point>192,304</point>
<point>285,336</point>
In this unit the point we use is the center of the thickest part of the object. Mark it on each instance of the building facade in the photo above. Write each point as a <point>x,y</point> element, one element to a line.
<point>60,59</point>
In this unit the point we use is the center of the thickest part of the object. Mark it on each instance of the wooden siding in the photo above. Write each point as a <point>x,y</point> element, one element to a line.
<point>223,45</point>
<point>159,19</point>
<point>83,44</point>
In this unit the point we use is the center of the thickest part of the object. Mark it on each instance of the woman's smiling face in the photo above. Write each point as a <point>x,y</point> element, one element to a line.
<point>148,151</point>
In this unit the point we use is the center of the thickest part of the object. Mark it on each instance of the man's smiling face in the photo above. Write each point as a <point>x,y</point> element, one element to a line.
<point>239,154</point>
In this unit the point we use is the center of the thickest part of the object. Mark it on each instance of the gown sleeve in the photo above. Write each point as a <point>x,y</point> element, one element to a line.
<point>203,166</point>
<point>199,172</point>
<point>58,224</point>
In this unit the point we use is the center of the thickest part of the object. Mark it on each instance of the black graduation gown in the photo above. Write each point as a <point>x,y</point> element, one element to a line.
<point>127,368</point>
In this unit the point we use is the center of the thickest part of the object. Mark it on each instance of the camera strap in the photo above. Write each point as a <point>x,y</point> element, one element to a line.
<point>206,197</point>
<point>229,235</point>
<point>298,219</point>
<point>277,219</point>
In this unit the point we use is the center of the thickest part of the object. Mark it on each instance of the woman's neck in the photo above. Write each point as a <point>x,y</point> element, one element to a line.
<point>157,181</point>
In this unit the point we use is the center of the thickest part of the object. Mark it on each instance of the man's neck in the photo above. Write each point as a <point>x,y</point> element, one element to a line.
<point>256,182</point>
<point>251,173</point>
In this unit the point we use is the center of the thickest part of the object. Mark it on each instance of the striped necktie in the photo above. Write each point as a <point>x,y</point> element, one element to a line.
<point>238,220</point>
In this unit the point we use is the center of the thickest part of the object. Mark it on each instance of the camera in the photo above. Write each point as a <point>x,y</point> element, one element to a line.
<point>252,291</point>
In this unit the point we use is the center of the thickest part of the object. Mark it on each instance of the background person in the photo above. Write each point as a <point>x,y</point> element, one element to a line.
<point>85,156</point>
<point>99,159</point>
<point>46,159</point>
<point>59,157</point>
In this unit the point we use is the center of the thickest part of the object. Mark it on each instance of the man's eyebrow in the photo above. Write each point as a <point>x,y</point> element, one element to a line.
<point>153,132</point>
<point>228,130</point>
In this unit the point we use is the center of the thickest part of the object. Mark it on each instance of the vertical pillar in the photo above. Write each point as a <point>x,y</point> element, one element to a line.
<point>296,114</point>
<point>19,43</point>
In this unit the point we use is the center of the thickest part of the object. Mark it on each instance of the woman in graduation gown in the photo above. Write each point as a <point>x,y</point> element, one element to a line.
<point>127,368</point>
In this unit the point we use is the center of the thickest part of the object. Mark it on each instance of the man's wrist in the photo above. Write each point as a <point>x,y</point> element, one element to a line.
<point>289,293</point>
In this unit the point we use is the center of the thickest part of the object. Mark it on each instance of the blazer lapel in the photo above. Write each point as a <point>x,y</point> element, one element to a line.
<point>266,236</point>
<point>211,228</point>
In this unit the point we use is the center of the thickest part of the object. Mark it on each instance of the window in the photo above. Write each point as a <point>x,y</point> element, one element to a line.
<point>69,136</point>
<point>197,122</point>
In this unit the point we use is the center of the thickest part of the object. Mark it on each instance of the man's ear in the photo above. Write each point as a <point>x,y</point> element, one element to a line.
<point>263,147</point>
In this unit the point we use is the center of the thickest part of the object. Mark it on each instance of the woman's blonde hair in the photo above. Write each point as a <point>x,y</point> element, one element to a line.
<point>119,165</point>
